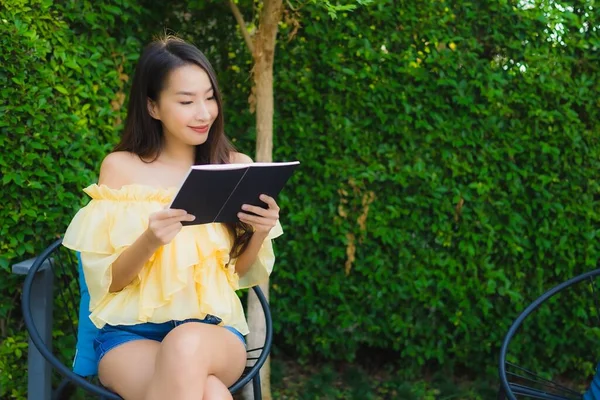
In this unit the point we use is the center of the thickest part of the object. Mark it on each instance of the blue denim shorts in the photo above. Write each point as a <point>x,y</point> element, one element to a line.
<point>111,336</point>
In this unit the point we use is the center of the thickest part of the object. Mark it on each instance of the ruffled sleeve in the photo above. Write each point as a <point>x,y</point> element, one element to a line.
<point>260,270</point>
<point>92,233</point>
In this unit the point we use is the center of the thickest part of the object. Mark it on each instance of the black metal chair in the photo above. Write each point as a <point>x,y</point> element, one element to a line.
<point>518,378</point>
<point>63,264</point>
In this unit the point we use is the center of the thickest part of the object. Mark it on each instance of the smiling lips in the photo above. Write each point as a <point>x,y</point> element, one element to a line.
<point>200,129</point>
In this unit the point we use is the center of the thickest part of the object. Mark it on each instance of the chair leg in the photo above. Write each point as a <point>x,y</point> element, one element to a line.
<point>256,387</point>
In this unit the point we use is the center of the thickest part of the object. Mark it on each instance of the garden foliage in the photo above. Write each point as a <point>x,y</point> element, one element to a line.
<point>450,154</point>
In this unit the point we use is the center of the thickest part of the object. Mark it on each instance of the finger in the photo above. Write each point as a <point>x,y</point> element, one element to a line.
<point>252,218</point>
<point>173,220</point>
<point>256,210</point>
<point>270,201</point>
<point>170,213</point>
<point>256,219</point>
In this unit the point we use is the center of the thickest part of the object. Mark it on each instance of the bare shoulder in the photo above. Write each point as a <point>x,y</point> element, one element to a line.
<point>117,169</point>
<point>239,158</point>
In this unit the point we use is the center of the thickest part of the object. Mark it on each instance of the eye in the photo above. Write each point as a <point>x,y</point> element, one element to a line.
<point>211,98</point>
<point>185,103</point>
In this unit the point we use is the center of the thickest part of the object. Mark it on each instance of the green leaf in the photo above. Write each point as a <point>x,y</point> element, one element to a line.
<point>61,89</point>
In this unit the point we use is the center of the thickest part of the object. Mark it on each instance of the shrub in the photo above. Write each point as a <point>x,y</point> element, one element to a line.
<point>449,156</point>
<point>66,66</point>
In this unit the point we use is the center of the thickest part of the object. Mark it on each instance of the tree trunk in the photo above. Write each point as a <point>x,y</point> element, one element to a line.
<point>264,55</point>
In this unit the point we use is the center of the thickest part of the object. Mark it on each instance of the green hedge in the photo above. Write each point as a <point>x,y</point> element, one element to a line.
<point>65,67</point>
<point>451,153</point>
<point>449,149</point>
<point>450,171</point>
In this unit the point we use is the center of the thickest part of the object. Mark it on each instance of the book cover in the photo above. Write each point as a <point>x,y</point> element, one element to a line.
<point>216,192</point>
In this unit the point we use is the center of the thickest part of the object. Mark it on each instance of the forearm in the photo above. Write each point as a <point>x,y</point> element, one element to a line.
<point>128,265</point>
<point>247,258</point>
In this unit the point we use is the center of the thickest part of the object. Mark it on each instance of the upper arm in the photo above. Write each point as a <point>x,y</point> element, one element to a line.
<point>239,158</point>
<point>113,168</point>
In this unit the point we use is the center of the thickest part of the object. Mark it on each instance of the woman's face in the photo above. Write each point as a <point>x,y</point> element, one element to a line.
<point>186,107</point>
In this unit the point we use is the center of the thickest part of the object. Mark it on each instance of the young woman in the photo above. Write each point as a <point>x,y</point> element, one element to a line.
<point>163,295</point>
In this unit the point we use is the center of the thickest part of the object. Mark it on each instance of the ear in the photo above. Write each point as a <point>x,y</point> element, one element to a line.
<point>153,109</point>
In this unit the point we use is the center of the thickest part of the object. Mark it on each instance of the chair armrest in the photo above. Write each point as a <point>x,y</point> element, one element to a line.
<point>23,267</point>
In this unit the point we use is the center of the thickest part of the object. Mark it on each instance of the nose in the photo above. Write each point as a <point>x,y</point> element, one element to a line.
<point>202,112</point>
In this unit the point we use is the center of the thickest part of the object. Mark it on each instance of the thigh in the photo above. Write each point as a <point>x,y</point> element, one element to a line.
<point>128,368</point>
<point>220,350</point>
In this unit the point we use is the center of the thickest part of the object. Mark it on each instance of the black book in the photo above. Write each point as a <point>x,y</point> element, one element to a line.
<point>216,192</point>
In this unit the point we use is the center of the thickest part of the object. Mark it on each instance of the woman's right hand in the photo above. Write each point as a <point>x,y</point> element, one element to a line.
<point>165,224</point>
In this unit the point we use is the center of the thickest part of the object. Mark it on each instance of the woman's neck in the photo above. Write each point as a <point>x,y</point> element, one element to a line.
<point>178,154</point>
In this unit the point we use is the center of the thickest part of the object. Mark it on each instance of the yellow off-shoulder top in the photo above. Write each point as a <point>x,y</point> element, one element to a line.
<point>190,277</point>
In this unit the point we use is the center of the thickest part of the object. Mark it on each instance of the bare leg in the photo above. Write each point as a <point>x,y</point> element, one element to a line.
<point>127,369</point>
<point>216,390</point>
<point>188,355</point>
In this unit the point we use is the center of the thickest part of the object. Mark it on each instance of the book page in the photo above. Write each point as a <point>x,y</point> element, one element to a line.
<point>209,167</point>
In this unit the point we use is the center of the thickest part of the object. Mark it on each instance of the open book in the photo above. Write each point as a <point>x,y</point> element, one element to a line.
<point>216,192</point>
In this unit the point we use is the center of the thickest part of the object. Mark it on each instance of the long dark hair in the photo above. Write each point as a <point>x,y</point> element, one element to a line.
<point>143,135</point>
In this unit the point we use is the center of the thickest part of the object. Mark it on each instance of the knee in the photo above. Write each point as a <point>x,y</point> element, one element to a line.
<point>216,390</point>
<point>185,345</point>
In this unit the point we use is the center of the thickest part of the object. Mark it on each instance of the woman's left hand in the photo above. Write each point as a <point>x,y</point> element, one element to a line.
<point>265,219</point>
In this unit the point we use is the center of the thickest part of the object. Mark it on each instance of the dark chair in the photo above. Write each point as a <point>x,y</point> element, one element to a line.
<point>519,376</point>
<point>63,265</point>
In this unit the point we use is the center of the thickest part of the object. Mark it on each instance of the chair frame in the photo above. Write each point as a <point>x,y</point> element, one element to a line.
<point>510,390</point>
<point>253,373</point>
